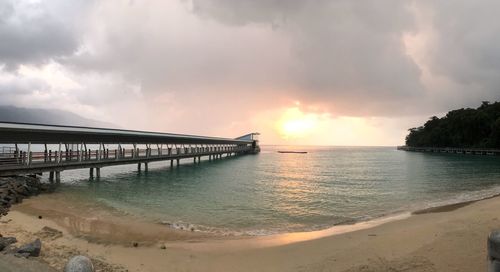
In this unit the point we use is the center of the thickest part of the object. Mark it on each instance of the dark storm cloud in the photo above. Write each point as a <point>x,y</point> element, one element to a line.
<point>276,12</point>
<point>352,52</point>
<point>347,51</point>
<point>465,48</point>
<point>33,33</point>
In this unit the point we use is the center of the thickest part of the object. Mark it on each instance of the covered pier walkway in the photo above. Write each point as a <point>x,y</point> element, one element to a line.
<point>35,148</point>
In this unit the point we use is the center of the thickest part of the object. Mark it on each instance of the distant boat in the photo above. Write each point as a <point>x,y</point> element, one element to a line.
<point>295,152</point>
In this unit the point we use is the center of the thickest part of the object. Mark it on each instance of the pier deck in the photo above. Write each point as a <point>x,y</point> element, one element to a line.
<point>27,148</point>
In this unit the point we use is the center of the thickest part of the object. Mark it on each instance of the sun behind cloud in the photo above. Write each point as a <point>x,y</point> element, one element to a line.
<point>295,124</point>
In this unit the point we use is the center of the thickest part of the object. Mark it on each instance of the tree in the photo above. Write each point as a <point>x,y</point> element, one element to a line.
<point>460,128</point>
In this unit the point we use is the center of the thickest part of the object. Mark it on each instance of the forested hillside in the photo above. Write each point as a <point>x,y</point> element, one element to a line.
<point>460,128</point>
<point>45,116</point>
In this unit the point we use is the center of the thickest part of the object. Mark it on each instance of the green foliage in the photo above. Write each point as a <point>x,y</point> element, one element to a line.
<point>460,128</point>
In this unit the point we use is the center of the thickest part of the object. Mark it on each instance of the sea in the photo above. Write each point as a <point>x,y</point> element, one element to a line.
<point>272,192</point>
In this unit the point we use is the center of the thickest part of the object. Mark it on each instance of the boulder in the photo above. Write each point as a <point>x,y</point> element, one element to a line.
<point>79,264</point>
<point>32,248</point>
<point>6,241</point>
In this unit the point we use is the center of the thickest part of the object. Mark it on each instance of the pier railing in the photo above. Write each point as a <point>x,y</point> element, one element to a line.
<point>51,158</point>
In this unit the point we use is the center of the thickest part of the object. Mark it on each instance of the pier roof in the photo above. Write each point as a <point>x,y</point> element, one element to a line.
<point>53,134</point>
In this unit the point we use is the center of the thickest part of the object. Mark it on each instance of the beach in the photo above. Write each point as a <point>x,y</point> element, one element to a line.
<point>449,238</point>
<point>275,136</point>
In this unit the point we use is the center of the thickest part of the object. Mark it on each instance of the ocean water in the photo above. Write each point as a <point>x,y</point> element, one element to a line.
<point>272,192</point>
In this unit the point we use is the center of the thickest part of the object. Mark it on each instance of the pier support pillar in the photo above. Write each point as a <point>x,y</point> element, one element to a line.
<point>194,159</point>
<point>98,172</point>
<point>199,159</point>
<point>146,166</point>
<point>171,163</point>
<point>91,173</point>
<point>51,176</point>
<point>139,167</point>
<point>178,162</point>
<point>58,177</point>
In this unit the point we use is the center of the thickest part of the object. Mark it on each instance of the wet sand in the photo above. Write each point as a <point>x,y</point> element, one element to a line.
<point>448,238</point>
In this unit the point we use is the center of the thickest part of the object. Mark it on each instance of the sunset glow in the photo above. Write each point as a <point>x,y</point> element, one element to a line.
<point>295,124</point>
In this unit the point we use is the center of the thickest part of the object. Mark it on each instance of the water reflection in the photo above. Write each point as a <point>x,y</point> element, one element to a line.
<point>273,192</point>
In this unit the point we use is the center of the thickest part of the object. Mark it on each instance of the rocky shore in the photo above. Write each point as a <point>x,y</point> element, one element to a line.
<point>14,189</point>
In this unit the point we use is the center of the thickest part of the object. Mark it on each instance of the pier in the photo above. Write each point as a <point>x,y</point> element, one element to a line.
<point>452,150</point>
<point>37,149</point>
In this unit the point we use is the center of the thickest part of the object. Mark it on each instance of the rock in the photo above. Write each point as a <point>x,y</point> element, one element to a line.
<point>40,217</point>
<point>135,244</point>
<point>163,247</point>
<point>10,249</point>
<point>14,189</point>
<point>22,255</point>
<point>79,264</point>
<point>32,248</point>
<point>6,241</point>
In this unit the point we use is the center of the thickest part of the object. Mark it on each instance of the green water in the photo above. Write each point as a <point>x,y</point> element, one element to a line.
<point>272,192</point>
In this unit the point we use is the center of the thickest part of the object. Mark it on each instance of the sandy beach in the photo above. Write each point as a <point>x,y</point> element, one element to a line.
<point>449,238</point>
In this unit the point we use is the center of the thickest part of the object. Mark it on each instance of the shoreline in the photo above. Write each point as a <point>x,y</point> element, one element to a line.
<point>104,231</point>
<point>452,206</point>
<point>107,218</point>
<point>180,246</point>
<point>104,224</point>
<point>98,218</point>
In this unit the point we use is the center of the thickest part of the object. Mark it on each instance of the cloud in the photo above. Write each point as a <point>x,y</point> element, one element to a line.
<point>461,47</point>
<point>14,85</point>
<point>34,32</point>
<point>330,54</point>
<point>168,48</point>
<point>345,51</point>
<point>166,65</point>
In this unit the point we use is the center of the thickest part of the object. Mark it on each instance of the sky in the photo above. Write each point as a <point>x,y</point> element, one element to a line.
<point>311,72</point>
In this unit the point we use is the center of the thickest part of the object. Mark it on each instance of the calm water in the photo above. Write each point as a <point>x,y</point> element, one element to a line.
<point>272,192</point>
